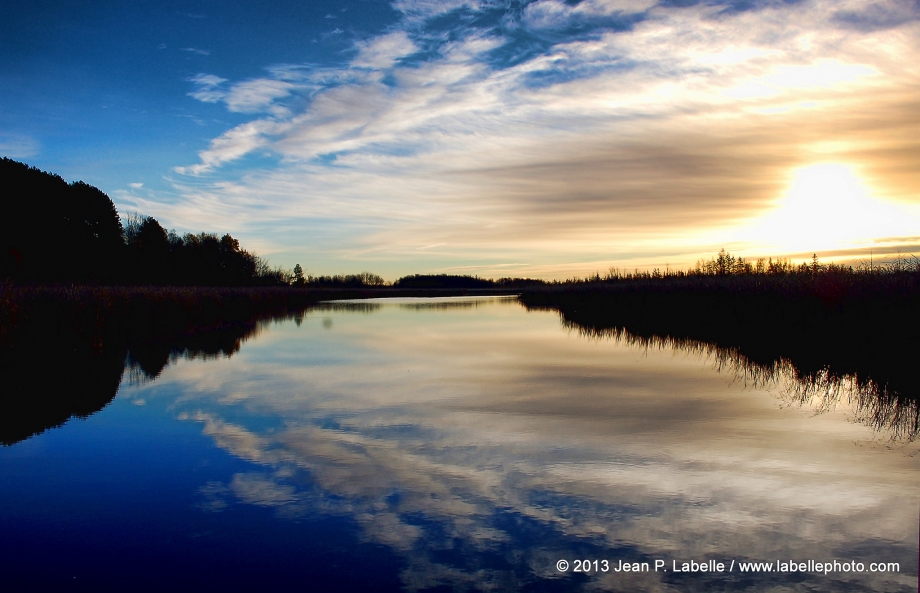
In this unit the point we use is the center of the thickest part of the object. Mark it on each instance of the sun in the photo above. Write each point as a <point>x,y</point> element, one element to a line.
<point>828,206</point>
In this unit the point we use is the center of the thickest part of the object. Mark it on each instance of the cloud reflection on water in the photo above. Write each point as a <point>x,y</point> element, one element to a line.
<point>462,434</point>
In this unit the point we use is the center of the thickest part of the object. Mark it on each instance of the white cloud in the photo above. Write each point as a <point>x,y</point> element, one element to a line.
<point>551,14</point>
<point>430,8</point>
<point>256,95</point>
<point>250,96</point>
<point>232,145</point>
<point>620,141</point>
<point>207,79</point>
<point>382,52</point>
<point>209,90</point>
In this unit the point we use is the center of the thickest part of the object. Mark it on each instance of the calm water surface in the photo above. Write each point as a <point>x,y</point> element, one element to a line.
<point>452,444</point>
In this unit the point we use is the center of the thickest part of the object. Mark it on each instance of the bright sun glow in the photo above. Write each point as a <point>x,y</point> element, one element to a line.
<point>827,206</point>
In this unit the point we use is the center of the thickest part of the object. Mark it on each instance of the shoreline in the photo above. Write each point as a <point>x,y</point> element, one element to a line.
<point>82,342</point>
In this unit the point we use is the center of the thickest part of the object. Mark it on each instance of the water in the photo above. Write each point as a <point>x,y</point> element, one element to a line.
<point>453,444</point>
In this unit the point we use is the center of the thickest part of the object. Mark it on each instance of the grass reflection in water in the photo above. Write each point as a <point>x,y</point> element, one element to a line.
<point>476,446</point>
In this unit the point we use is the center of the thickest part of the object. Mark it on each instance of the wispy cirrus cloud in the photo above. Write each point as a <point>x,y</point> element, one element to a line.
<point>18,146</point>
<point>209,89</point>
<point>554,14</point>
<point>382,52</point>
<point>483,125</point>
<point>249,96</point>
<point>426,9</point>
<point>886,14</point>
<point>232,145</point>
<point>256,95</point>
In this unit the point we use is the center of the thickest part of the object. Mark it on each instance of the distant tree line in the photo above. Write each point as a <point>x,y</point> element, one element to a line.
<point>422,281</point>
<point>442,281</point>
<point>727,266</point>
<point>412,282</point>
<point>362,280</point>
<point>54,231</point>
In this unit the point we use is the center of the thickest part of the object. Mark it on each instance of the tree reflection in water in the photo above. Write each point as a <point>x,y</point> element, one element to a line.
<point>479,447</point>
<point>888,404</point>
<point>58,363</point>
<point>65,351</point>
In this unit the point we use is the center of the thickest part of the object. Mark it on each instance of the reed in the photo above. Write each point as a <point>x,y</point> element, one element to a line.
<point>836,332</point>
<point>886,403</point>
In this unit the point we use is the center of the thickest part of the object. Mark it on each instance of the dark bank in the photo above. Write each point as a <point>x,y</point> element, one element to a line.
<point>844,333</point>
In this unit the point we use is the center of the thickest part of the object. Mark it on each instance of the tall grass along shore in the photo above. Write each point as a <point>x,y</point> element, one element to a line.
<point>64,349</point>
<point>834,326</point>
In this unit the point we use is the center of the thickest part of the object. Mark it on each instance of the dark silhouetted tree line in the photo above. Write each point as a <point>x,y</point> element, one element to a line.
<point>361,280</point>
<point>442,281</point>
<point>452,281</point>
<point>161,257</point>
<point>52,231</point>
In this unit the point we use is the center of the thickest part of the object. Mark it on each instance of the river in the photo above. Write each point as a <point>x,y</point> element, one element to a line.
<point>457,444</point>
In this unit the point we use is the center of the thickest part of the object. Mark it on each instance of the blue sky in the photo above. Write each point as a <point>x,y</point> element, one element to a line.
<point>100,90</point>
<point>541,138</point>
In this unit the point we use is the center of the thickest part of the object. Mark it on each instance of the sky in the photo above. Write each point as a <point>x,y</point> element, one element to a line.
<point>491,137</point>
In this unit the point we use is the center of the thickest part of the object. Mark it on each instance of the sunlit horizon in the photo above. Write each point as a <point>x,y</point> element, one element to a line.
<point>517,138</point>
<point>830,210</point>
